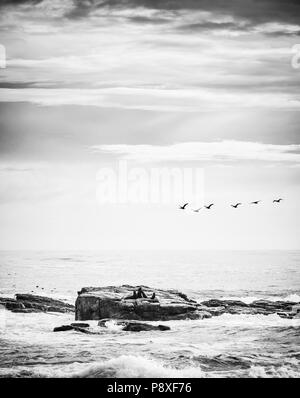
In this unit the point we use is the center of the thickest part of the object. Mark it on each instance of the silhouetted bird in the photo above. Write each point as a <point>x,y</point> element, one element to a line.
<point>209,206</point>
<point>236,206</point>
<point>196,210</point>
<point>277,200</point>
<point>183,207</point>
<point>255,202</point>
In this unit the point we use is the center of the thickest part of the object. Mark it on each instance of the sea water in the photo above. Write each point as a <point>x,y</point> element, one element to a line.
<point>223,346</point>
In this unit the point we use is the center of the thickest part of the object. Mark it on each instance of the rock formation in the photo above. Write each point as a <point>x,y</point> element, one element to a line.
<point>31,303</point>
<point>114,302</point>
<point>286,309</point>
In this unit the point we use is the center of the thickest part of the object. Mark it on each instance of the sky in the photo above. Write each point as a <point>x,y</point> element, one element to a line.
<point>93,86</point>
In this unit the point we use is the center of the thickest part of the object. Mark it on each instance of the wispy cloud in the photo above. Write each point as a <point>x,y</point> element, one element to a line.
<point>181,100</point>
<point>223,151</point>
<point>196,54</point>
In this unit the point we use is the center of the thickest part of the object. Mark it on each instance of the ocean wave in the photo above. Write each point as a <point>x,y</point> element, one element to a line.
<point>249,321</point>
<point>284,371</point>
<point>128,366</point>
<point>249,299</point>
<point>223,362</point>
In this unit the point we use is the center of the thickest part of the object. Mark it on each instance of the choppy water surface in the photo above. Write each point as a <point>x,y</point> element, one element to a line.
<point>224,346</point>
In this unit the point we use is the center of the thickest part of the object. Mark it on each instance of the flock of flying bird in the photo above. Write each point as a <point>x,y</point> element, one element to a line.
<point>235,206</point>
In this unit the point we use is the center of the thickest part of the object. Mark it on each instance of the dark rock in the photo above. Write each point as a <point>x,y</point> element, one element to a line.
<point>273,306</point>
<point>143,327</point>
<point>286,315</point>
<point>163,327</point>
<point>76,327</point>
<point>80,325</point>
<point>10,305</point>
<point>263,307</point>
<point>213,303</point>
<point>215,311</point>
<point>193,315</point>
<point>31,303</point>
<point>109,302</point>
<point>83,330</point>
<point>223,303</point>
<point>63,328</point>
<point>133,326</point>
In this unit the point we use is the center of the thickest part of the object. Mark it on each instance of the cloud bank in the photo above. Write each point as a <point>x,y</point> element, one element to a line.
<point>223,151</point>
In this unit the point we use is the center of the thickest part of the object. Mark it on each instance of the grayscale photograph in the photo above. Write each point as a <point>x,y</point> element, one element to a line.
<point>149,191</point>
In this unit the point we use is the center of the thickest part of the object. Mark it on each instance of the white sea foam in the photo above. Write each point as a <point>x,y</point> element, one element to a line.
<point>130,366</point>
<point>249,299</point>
<point>113,326</point>
<point>237,320</point>
<point>136,366</point>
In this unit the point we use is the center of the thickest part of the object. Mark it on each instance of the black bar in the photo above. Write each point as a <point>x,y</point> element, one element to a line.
<point>145,387</point>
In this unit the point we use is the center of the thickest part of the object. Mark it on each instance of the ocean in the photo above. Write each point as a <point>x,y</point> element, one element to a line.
<point>222,346</point>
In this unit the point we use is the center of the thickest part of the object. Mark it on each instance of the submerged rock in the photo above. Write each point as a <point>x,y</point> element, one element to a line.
<point>133,326</point>
<point>113,302</point>
<point>273,306</point>
<point>82,329</point>
<point>80,325</point>
<point>285,309</point>
<point>27,303</point>
<point>143,327</point>
<point>63,328</point>
<point>286,315</point>
<point>223,303</point>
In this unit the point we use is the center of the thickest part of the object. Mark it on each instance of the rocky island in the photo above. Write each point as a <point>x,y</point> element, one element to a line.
<point>112,302</point>
<point>133,314</point>
<point>28,303</point>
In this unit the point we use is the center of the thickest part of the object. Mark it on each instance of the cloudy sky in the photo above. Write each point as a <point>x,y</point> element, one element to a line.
<point>192,84</point>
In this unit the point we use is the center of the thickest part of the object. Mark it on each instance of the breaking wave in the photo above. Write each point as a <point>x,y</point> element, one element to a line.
<point>132,366</point>
<point>249,299</point>
<point>129,366</point>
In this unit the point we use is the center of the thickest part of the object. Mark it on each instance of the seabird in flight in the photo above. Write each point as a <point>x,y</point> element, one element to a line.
<point>183,207</point>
